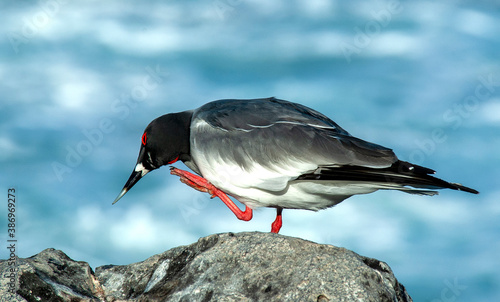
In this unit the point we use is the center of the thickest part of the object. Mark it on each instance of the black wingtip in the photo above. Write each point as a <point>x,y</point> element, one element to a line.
<point>423,172</point>
<point>459,187</point>
<point>404,166</point>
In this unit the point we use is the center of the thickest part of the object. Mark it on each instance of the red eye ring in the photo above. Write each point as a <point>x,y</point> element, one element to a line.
<point>144,139</point>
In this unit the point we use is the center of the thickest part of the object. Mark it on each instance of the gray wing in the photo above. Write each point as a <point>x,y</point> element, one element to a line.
<point>273,132</point>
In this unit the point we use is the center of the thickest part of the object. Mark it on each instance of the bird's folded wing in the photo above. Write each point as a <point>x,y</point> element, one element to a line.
<point>277,141</point>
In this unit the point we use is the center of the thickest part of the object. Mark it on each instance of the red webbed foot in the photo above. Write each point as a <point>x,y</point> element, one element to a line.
<point>201,184</point>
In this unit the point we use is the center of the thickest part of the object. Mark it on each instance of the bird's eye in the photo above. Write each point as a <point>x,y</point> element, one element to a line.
<point>144,139</point>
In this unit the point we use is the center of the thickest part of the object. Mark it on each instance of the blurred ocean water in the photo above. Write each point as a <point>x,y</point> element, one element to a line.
<point>81,80</point>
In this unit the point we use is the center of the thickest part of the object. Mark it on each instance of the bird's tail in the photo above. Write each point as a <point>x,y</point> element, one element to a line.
<point>398,176</point>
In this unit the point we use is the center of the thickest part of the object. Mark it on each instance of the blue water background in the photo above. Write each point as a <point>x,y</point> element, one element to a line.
<point>81,80</point>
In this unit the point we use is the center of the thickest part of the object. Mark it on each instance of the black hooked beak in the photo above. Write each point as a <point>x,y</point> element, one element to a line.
<point>137,174</point>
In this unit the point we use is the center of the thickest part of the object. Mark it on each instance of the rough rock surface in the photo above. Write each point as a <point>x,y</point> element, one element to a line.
<point>221,267</point>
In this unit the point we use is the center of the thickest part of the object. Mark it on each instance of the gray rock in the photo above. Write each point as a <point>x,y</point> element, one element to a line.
<point>51,276</point>
<point>221,267</point>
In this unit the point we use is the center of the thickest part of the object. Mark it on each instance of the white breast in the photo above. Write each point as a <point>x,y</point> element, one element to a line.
<point>273,185</point>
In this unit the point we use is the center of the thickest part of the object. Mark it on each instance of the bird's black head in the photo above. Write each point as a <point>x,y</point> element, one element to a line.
<point>165,140</point>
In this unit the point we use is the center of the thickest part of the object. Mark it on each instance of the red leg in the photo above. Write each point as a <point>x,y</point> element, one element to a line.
<point>276,225</point>
<point>201,184</point>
